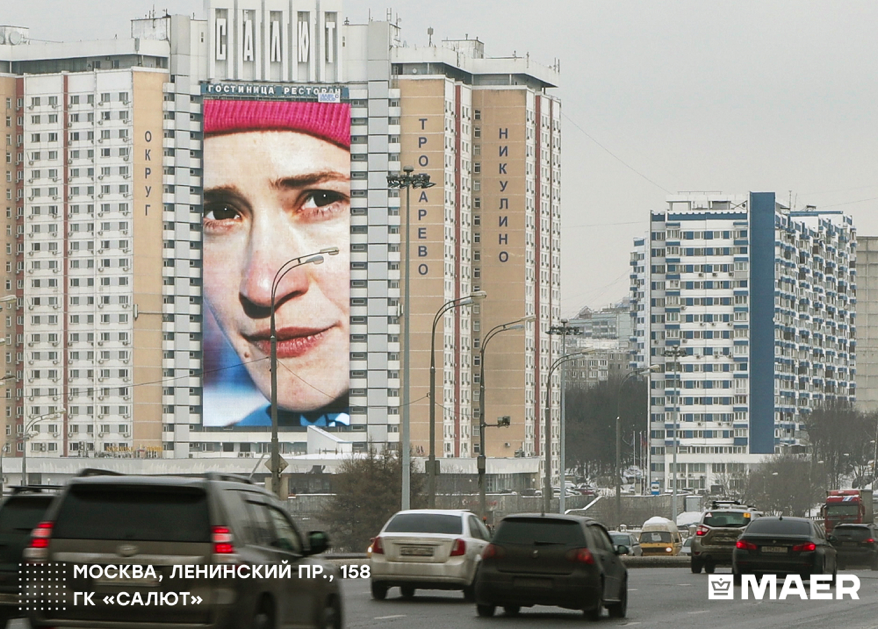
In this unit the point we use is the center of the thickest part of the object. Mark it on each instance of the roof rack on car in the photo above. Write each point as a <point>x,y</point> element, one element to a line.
<point>37,487</point>
<point>219,476</point>
<point>721,503</point>
<point>98,472</point>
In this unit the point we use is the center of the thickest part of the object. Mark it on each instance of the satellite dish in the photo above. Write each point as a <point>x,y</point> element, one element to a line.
<point>14,38</point>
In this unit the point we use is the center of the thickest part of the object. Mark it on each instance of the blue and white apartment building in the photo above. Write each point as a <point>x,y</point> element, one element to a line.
<point>757,302</point>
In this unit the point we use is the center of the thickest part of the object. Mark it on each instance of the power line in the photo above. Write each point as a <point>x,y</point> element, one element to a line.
<point>609,152</point>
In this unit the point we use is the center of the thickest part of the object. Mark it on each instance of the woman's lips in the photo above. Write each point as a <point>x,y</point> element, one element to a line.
<point>292,342</point>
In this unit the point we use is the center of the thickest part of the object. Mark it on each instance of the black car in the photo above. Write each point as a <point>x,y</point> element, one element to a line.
<point>226,543</point>
<point>783,544</point>
<point>553,560</point>
<point>855,544</point>
<point>19,514</point>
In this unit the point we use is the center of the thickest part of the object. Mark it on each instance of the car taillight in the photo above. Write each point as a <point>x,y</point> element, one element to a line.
<point>377,545</point>
<point>870,540</point>
<point>809,546</point>
<point>701,531</point>
<point>221,537</point>
<point>492,551</point>
<point>38,548</point>
<point>580,555</point>
<point>744,544</point>
<point>459,548</point>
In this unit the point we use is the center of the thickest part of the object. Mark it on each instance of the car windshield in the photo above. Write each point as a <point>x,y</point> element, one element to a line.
<point>414,523</point>
<point>780,526</point>
<point>113,512</point>
<point>539,531</point>
<point>843,509</point>
<point>655,537</point>
<point>23,513</point>
<point>726,519</point>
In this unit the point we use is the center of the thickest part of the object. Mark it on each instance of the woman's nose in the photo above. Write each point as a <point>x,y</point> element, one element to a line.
<point>270,268</point>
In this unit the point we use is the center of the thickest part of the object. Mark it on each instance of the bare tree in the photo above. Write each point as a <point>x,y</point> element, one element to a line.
<point>785,484</point>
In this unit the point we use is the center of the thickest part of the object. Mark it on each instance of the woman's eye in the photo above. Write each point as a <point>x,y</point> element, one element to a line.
<point>321,198</point>
<point>219,213</point>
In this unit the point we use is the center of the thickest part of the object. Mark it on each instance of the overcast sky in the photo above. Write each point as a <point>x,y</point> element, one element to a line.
<point>657,97</point>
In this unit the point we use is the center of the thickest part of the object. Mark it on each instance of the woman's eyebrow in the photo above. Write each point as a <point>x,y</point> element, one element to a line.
<point>225,192</point>
<point>310,179</point>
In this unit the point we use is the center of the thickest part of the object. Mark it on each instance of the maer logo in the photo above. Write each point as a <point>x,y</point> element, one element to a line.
<point>820,587</point>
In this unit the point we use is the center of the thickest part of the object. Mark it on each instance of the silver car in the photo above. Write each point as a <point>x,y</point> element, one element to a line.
<point>436,549</point>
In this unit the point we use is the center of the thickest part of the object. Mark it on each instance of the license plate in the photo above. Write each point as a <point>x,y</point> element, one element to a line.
<point>532,583</point>
<point>774,549</point>
<point>416,551</point>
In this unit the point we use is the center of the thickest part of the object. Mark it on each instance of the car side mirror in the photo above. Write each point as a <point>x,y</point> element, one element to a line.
<point>318,542</point>
<point>622,550</point>
<point>831,538</point>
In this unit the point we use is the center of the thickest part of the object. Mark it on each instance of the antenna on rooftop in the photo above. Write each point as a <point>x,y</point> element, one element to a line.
<point>430,36</point>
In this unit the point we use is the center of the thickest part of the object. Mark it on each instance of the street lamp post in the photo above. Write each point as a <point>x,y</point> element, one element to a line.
<point>675,352</point>
<point>315,259</point>
<point>26,436</point>
<point>564,330</point>
<point>547,481</point>
<point>480,461</point>
<point>407,180</point>
<point>431,460</point>
<point>652,368</point>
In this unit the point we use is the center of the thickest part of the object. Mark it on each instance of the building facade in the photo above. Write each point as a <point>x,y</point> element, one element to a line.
<point>751,313</point>
<point>103,192</point>
<point>867,322</point>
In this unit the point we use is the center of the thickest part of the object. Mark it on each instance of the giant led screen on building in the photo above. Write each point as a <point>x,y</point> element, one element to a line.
<point>276,223</point>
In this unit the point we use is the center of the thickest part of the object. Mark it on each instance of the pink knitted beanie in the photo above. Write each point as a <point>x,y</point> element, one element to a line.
<point>328,121</point>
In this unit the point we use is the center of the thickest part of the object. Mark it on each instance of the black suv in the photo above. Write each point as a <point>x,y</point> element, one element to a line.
<point>717,532</point>
<point>145,541</point>
<point>855,544</point>
<point>19,514</point>
<point>552,560</point>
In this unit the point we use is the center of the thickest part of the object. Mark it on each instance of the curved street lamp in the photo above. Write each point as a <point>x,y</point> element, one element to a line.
<point>431,461</point>
<point>547,481</point>
<point>517,324</point>
<point>407,179</point>
<point>314,259</point>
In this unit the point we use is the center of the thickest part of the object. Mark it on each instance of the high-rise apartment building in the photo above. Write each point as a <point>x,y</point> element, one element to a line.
<point>867,324</point>
<point>750,309</point>
<point>103,212</point>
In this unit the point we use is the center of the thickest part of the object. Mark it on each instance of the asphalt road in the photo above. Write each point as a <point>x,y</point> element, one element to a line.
<point>658,598</point>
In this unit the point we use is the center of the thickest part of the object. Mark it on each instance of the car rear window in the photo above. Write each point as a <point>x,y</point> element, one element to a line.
<point>113,512</point>
<point>621,539</point>
<point>531,531</point>
<point>23,513</point>
<point>726,519</point>
<point>780,526</point>
<point>852,533</point>
<point>425,524</point>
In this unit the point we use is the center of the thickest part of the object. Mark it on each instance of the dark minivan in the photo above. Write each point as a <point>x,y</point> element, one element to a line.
<point>554,560</point>
<point>187,534</point>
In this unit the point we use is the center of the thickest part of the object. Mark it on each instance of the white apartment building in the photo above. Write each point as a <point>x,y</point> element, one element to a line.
<point>749,307</point>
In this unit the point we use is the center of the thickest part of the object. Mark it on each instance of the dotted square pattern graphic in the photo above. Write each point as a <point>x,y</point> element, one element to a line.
<point>42,587</point>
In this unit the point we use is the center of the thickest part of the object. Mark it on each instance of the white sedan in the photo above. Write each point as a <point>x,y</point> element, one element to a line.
<point>436,549</point>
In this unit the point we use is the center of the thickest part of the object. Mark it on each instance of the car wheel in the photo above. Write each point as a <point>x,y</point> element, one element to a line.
<point>594,614</point>
<point>485,610</point>
<point>736,576</point>
<point>408,592</point>
<point>512,611</point>
<point>379,590</point>
<point>710,566</point>
<point>695,565</point>
<point>264,617</point>
<point>618,610</point>
<point>470,591</point>
<point>332,615</point>
<point>5,615</point>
